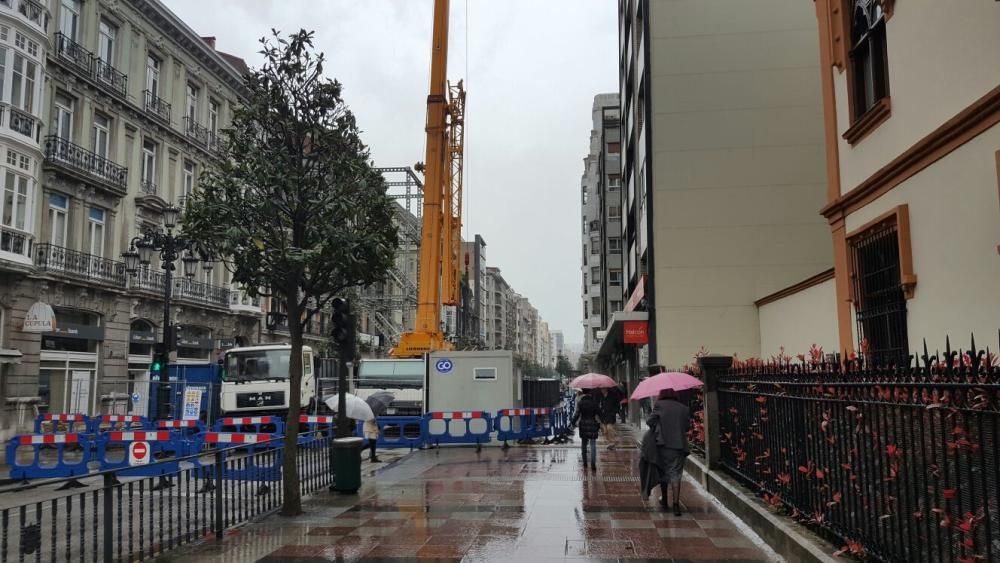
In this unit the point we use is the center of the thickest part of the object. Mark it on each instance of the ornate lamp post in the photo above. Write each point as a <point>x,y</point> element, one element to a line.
<point>170,245</point>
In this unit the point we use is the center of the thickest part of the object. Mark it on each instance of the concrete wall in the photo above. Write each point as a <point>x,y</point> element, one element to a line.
<point>738,172</point>
<point>929,80</point>
<point>954,233</point>
<point>800,320</point>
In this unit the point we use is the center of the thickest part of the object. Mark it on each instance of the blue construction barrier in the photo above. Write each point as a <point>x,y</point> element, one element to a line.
<point>250,425</point>
<point>401,432</point>
<point>52,466</point>
<point>119,422</point>
<point>187,429</point>
<point>159,444</point>
<point>62,424</point>
<point>467,436</point>
<point>313,428</point>
<point>262,461</point>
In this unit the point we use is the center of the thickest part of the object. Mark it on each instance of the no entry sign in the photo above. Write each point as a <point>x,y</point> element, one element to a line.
<point>138,453</point>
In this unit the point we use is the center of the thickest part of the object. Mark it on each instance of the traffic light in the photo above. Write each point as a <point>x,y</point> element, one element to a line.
<point>343,328</point>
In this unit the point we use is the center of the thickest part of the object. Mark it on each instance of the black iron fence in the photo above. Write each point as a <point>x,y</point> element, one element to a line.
<point>117,518</point>
<point>79,265</point>
<point>893,463</point>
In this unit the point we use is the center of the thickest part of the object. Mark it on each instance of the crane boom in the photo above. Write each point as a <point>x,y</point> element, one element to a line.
<point>439,227</point>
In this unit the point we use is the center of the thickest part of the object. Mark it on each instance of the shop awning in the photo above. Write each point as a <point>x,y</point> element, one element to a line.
<point>625,328</point>
<point>9,356</point>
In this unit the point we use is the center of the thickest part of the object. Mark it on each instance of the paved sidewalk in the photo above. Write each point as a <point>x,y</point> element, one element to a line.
<point>526,504</point>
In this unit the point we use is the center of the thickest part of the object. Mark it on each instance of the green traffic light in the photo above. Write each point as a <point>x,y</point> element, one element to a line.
<point>156,366</point>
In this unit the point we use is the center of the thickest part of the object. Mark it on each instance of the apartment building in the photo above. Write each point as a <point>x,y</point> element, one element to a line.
<point>601,221</point>
<point>474,270</point>
<point>722,169</point>
<point>912,139</point>
<point>110,113</point>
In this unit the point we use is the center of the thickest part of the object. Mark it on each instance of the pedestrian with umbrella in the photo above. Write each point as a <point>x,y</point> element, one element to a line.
<point>379,403</point>
<point>355,408</point>
<point>665,446</point>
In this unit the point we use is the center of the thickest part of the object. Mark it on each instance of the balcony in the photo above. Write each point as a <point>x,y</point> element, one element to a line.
<point>148,187</point>
<point>19,122</point>
<point>84,63</point>
<point>198,132</point>
<point>155,105</point>
<point>79,266</point>
<point>595,226</point>
<point>147,279</point>
<point>15,246</point>
<point>32,11</point>
<point>241,302</point>
<point>201,293</point>
<point>79,161</point>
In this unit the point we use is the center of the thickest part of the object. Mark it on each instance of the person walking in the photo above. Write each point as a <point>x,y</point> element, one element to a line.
<point>588,416</point>
<point>370,430</point>
<point>670,421</point>
<point>610,402</point>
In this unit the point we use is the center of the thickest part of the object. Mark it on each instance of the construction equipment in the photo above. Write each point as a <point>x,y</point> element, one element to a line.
<point>441,242</point>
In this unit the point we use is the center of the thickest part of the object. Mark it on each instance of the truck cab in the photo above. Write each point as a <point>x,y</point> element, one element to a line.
<point>404,378</point>
<point>255,379</point>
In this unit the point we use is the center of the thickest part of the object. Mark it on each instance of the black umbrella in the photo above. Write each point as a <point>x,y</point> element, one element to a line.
<point>380,401</point>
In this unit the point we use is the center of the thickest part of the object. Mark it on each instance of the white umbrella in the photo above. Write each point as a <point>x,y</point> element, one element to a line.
<point>355,407</point>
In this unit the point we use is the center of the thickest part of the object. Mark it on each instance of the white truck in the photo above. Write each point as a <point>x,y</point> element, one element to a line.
<point>402,378</point>
<point>255,380</point>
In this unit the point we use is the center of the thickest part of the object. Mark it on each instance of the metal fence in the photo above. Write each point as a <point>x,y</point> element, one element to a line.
<point>895,463</point>
<point>132,519</point>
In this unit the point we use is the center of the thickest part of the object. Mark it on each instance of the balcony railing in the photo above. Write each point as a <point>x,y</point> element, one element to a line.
<point>33,12</point>
<point>15,242</point>
<point>240,300</point>
<point>112,79</point>
<point>75,54</point>
<point>20,122</point>
<point>197,132</point>
<point>156,106</point>
<point>78,265</point>
<point>78,159</point>
<point>148,279</point>
<point>148,187</point>
<point>201,292</point>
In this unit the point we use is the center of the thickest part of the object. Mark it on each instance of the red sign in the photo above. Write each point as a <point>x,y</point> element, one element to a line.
<point>138,453</point>
<point>635,332</point>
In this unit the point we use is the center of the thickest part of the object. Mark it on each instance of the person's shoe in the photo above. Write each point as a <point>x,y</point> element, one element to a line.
<point>375,460</point>
<point>593,467</point>
<point>664,503</point>
<point>677,509</point>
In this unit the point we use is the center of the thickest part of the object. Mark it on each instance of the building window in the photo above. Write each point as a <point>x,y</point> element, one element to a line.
<point>869,71</point>
<point>192,102</point>
<point>585,284</point>
<point>58,211</point>
<point>101,135</point>
<point>106,42</point>
<point>64,117</point>
<point>595,271</point>
<point>614,212</point>
<point>153,74</point>
<point>149,162</point>
<point>595,305</point>
<point>22,95</point>
<point>213,116</point>
<point>614,182</point>
<point>615,277</point>
<point>69,18</point>
<point>614,148</point>
<point>616,306</point>
<point>615,245</point>
<point>882,279</point>
<point>16,197</point>
<point>95,230</point>
<point>188,177</point>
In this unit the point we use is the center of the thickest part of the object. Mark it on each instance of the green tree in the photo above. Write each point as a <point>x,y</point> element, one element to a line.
<point>295,205</point>
<point>563,367</point>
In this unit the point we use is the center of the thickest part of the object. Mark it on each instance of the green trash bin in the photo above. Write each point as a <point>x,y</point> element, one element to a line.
<point>347,464</point>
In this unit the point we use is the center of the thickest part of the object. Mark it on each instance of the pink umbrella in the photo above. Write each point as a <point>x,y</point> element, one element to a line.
<point>677,381</point>
<point>592,381</point>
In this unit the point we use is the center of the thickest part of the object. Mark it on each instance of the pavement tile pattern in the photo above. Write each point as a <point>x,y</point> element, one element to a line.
<point>536,503</point>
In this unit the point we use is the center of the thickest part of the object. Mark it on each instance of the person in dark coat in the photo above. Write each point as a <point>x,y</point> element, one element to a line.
<point>610,402</point>
<point>670,420</point>
<point>588,416</point>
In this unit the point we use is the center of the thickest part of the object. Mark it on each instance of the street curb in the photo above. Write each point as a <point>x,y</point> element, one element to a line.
<point>789,539</point>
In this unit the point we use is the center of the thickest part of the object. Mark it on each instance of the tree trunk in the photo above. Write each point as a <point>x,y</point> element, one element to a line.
<point>292,505</point>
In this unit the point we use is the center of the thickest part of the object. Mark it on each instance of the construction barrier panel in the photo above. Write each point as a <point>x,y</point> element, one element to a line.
<point>261,463</point>
<point>185,428</point>
<point>401,432</point>
<point>312,428</point>
<point>540,423</point>
<point>512,424</point>
<point>52,463</point>
<point>467,435</point>
<point>62,424</point>
<point>157,444</point>
<point>250,425</point>
<point>119,422</point>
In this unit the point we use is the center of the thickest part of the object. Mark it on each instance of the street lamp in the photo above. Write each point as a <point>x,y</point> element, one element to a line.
<point>170,245</point>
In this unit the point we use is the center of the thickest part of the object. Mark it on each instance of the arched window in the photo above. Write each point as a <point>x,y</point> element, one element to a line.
<point>142,338</point>
<point>869,71</point>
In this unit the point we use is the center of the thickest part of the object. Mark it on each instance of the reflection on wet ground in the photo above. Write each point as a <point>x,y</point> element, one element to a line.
<point>523,504</point>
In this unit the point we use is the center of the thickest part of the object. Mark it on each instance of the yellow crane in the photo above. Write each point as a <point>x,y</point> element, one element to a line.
<point>441,241</point>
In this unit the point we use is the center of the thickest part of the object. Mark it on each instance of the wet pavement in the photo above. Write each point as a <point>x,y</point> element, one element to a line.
<point>535,503</point>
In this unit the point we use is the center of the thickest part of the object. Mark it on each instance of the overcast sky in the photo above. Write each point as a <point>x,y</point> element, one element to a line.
<point>532,68</point>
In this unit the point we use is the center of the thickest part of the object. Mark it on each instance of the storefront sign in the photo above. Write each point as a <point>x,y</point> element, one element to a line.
<point>142,337</point>
<point>226,343</point>
<point>192,342</point>
<point>80,332</point>
<point>40,318</point>
<point>635,332</point>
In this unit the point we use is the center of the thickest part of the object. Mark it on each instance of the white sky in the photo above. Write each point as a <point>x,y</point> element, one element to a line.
<point>532,68</point>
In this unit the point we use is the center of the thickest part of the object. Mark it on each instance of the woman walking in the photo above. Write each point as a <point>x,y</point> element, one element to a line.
<point>370,431</point>
<point>669,424</point>
<point>588,415</point>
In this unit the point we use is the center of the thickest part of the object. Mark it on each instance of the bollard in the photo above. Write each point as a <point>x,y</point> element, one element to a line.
<point>713,366</point>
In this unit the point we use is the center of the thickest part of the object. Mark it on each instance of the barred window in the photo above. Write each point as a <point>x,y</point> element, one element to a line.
<point>879,295</point>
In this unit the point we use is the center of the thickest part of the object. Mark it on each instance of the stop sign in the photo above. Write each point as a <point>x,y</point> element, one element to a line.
<point>138,453</point>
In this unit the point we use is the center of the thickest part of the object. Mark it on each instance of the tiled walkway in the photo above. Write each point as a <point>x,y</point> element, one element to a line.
<point>525,504</point>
